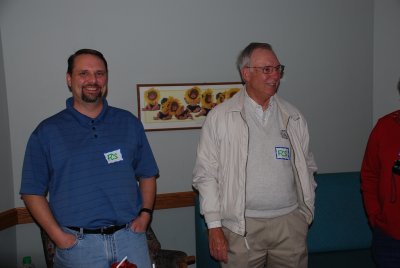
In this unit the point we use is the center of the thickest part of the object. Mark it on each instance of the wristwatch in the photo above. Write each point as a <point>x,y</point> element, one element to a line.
<point>147,210</point>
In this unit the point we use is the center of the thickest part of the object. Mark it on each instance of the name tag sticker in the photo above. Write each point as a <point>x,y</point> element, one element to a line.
<point>282,153</point>
<point>114,156</point>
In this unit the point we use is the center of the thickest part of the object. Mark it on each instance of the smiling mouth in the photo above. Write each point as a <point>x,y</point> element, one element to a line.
<point>272,84</point>
<point>91,88</point>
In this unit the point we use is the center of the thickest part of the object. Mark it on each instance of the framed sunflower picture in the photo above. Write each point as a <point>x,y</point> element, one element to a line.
<point>180,106</point>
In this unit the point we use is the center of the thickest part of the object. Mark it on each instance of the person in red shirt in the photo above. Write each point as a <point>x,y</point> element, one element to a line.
<point>380,186</point>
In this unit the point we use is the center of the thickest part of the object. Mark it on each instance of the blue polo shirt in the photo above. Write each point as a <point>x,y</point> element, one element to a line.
<point>89,166</point>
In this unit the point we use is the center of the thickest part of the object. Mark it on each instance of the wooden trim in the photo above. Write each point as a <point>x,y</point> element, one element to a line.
<point>175,200</point>
<point>21,215</point>
<point>8,218</point>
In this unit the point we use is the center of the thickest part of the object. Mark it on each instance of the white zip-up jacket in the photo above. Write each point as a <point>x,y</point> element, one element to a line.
<point>220,170</point>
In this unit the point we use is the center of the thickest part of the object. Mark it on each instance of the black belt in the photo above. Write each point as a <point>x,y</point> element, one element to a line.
<point>104,230</point>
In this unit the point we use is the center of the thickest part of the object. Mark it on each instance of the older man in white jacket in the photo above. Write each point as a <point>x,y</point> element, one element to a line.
<point>254,171</point>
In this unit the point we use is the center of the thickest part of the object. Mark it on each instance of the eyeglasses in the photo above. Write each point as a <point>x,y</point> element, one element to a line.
<point>270,69</point>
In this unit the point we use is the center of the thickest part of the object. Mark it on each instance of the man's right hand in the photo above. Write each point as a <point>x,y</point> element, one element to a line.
<point>66,241</point>
<point>218,244</point>
<point>39,208</point>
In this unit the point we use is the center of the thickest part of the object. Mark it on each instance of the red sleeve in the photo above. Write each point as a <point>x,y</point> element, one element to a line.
<point>370,172</point>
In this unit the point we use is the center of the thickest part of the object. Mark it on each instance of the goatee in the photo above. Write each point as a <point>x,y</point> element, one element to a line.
<point>91,98</point>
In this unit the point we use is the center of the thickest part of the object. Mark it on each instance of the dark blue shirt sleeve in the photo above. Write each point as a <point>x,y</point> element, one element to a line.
<point>145,164</point>
<point>35,171</point>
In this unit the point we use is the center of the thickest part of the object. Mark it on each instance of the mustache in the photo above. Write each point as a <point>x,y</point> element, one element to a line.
<point>92,85</point>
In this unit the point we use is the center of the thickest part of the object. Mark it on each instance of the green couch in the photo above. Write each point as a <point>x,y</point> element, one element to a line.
<point>339,236</point>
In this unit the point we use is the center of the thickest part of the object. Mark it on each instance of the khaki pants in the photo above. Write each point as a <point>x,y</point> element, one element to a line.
<point>273,243</point>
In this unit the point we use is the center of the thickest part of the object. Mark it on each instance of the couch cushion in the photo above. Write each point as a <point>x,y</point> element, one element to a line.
<point>340,222</point>
<point>361,258</point>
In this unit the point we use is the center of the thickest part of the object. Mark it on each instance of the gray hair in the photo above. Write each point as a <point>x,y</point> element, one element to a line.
<point>244,56</point>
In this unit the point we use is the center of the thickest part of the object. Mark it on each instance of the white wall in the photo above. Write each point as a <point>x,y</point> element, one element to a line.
<point>7,250</point>
<point>327,47</point>
<point>386,57</point>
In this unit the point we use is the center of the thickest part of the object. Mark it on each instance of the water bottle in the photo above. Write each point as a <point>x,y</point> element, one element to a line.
<point>27,262</point>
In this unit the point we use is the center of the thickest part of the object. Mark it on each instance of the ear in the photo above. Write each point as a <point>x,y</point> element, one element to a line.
<point>245,74</point>
<point>68,79</point>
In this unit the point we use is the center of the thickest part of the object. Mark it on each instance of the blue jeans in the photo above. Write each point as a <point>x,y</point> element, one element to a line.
<point>385,249</point>
<point>100,251</point>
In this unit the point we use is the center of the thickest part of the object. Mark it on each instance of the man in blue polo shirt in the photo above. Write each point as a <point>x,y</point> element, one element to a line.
<point>95,162</point>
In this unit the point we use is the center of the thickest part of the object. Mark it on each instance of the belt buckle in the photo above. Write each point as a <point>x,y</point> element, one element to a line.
<point>109,229</point>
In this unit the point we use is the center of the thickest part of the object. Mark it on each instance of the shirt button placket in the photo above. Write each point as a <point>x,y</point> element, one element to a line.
<point>94,130</point>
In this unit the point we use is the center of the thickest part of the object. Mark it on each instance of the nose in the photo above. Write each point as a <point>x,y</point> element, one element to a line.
<point>91,78</point>
<point>276,74</point>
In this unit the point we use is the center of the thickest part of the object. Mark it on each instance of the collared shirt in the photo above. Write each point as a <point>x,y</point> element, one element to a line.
<point>89,166</point>
<point>253,107</point>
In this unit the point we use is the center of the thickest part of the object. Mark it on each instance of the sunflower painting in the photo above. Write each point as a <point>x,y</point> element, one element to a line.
<point>207,102</point>
<point>193,98</point>
<point>231,92</point>
<point>180,106</point>
<point>151,98</point>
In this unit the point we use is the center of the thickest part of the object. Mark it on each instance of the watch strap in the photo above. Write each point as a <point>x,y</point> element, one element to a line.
<point>147,210</point>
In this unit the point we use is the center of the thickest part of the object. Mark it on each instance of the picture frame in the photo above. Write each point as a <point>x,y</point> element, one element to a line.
<point>181,105</point>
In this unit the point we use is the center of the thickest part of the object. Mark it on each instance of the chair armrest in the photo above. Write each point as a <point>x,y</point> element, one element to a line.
<point>167,258</point>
